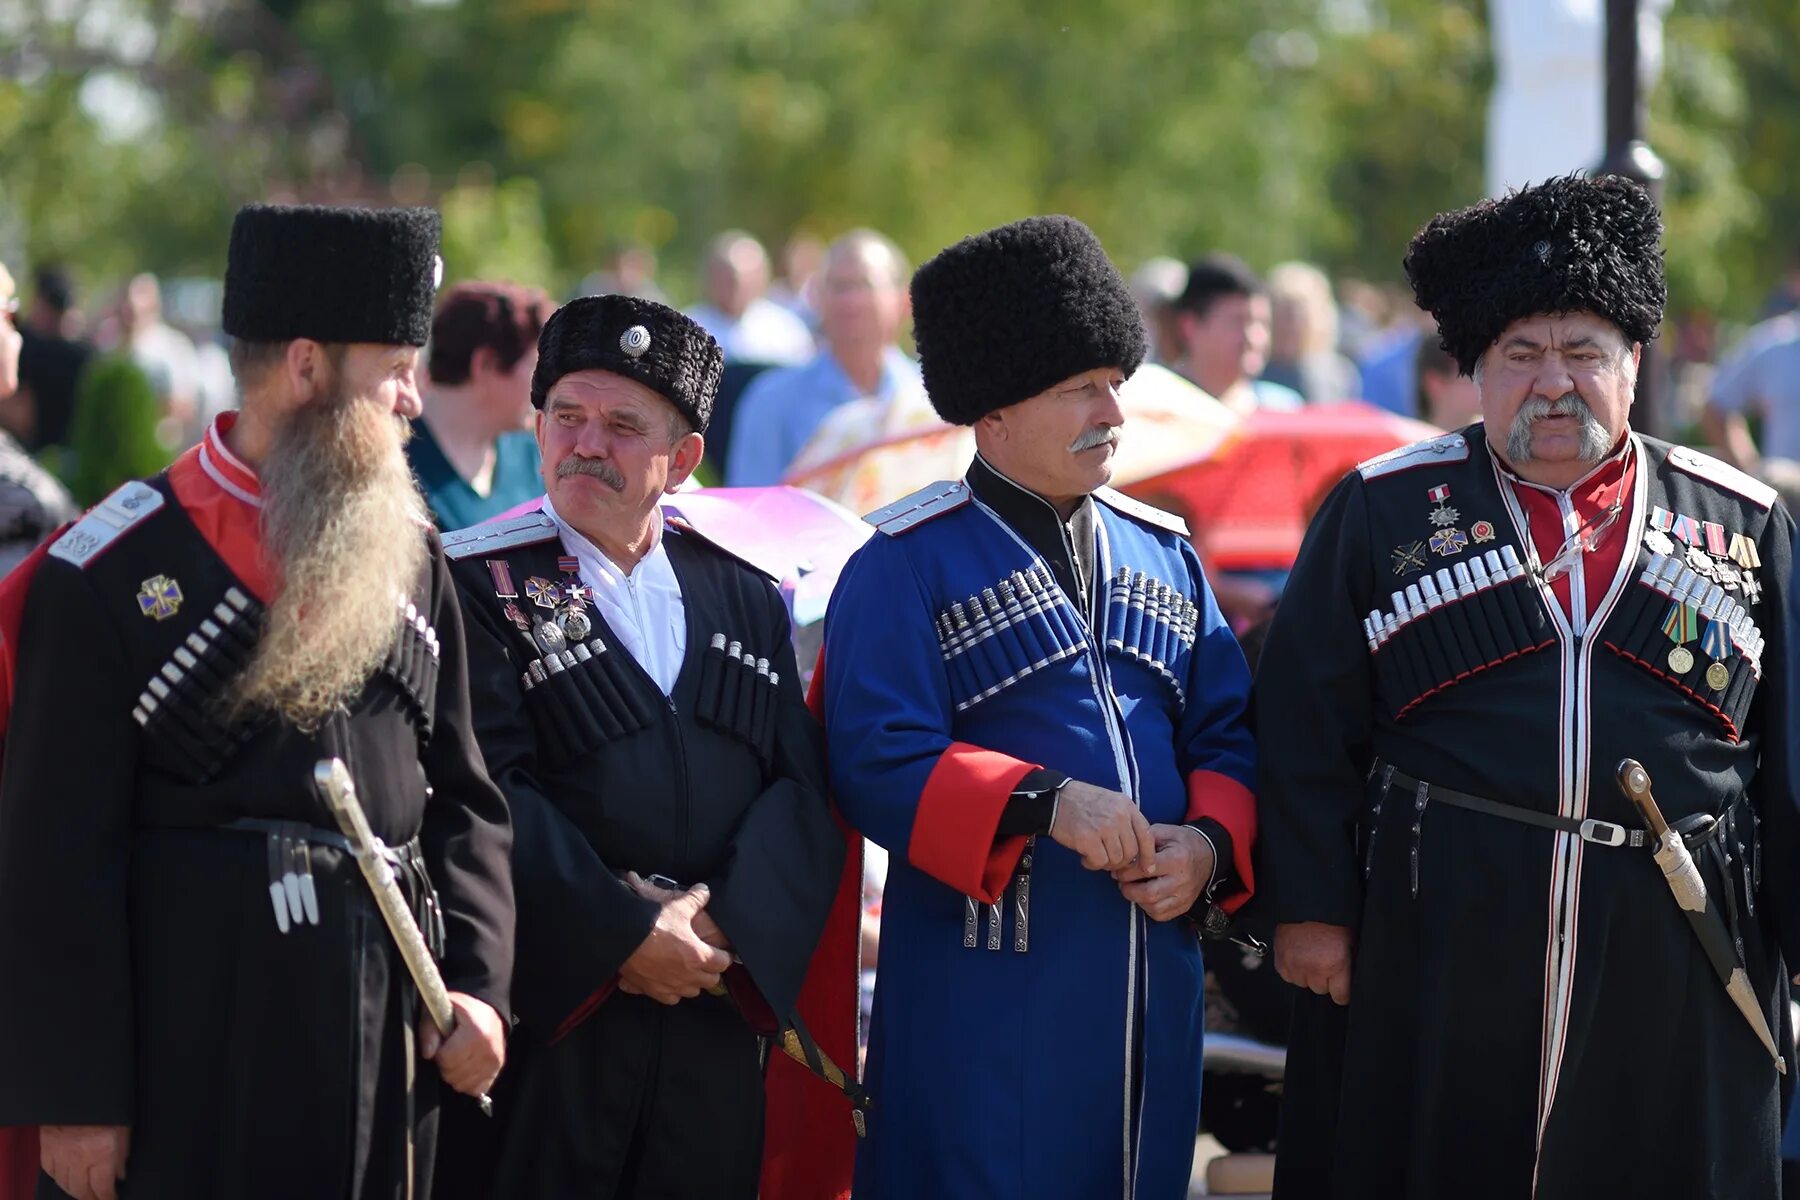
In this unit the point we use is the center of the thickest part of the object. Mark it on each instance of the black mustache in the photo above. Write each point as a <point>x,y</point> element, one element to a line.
<point>599,468</point>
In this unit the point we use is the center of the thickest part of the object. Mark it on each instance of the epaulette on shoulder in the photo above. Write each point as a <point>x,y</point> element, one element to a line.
<point>106,522</point>
<point>493,536</point>
<point>1137,510</point>
<point>1433,452</point>
<point>685,526</point>
<point>929,502</point>
<point>1716,471</point>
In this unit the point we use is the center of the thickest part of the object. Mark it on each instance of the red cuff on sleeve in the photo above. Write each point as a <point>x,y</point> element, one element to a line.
<point>1232,805</point>
<point>959,812</point>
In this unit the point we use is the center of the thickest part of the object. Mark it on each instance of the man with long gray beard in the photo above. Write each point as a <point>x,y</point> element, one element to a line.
<point>201,997</point>
<point>1506,1000</point>
<point>637,699</point>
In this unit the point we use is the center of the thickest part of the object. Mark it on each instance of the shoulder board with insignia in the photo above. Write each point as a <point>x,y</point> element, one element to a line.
<point>908,512</point>
<point>1450,448</point>
<point>1149,514</point>
<point>1723,474</point>
<point>491,536</point>
<point>105,522</point>
<point>683,525</point>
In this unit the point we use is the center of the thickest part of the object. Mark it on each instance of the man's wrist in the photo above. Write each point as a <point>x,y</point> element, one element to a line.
<point>1033,805</point>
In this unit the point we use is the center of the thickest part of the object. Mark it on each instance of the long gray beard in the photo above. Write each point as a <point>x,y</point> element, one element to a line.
<point>342,523</point>
<point>1595,441</point>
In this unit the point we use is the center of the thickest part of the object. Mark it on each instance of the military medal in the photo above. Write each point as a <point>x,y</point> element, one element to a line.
<point>549,637</point>
<point>542,592</point>
<point>1658,542</point>
<point>1408,559</point>
<point>1714,534</point>
<point>1442,514</point>
<point>1661,518</point>
<point>517,616</point>
<point>1752,589</point>
<point>1482,531</point>
<point>501,572</point>
<point>573,594</point>
<point>1688,530</point>
<point>575,624</point>
<point>1715,643</point>
<point>1449,541</point>
<point>159,598</point>
<point>1743,552</point>
<point>1697,559</point>
<point>1681,626</point>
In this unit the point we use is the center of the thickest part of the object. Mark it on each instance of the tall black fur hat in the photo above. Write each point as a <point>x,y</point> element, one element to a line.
<point>332,274</point>
<point>639,339</point>
<point>1568,244</point>
<point>1001,316</point>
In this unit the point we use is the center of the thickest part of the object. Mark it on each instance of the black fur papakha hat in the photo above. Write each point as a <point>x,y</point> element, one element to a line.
<point>332,274</point>
<point>1568,244</point>
<point>1003,315</point>
<point>662,349</point>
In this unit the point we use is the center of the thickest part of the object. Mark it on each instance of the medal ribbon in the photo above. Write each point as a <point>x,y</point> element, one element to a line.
<point>1683,622</point>
<point>1716,640</point>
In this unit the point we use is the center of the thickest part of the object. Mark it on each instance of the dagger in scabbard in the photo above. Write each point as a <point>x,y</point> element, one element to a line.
<point>1704,918</point>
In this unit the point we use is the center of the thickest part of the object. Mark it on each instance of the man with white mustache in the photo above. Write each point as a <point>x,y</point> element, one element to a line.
<point>201,997</point>
<point>1503,997</point>
<point>637,700</point>
<point>1032,702</point>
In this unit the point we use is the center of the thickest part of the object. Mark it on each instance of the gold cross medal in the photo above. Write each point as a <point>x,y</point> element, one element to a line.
<point>160,598</point>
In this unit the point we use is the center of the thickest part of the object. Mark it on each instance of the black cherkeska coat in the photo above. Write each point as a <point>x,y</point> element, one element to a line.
<point>722,783</point>
<point>147,983</point>
<point>1531,1014</point>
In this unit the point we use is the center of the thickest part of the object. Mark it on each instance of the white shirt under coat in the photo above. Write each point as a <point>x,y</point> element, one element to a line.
<point>643,607</point>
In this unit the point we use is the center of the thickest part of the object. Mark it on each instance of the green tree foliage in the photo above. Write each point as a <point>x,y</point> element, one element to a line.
<point>112,433</point>
<point>551,130</point>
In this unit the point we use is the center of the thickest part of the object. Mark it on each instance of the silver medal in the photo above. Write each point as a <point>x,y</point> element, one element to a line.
<point>548,637</point>
<point>1658,542</point>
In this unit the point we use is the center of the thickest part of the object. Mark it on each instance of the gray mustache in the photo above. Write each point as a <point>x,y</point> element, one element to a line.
<point>1094,437</point>
<point>1567,405</point>
<point>599,468</point>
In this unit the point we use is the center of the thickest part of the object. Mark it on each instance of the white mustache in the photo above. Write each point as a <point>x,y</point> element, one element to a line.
<point>1100,436</point>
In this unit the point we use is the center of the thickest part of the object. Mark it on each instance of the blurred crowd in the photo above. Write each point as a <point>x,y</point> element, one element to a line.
<point>112,386</point>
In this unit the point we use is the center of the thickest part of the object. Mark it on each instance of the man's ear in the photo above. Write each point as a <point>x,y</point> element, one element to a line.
<point>307,369</point>
<point>689,450</point>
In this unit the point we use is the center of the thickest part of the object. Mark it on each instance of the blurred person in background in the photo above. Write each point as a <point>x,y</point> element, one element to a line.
<point>472,448</point>
<point>1446,397</point>
<point>32,503</point>
<point>801,259</point>
<point>1303,337</point>
<point>630,272</point>
<point>1156,285</point>
<point>51,362</point>
<point>166,357</point>
<point>748,325</point>
<point>1760,376</point>
<point>862,309</point>
<point>1222,323</point>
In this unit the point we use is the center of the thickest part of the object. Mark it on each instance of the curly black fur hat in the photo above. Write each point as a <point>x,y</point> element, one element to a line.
<point>1569,244</point>
<point>639,339</point>
<point>1001,316</point>
<point>332,274</point>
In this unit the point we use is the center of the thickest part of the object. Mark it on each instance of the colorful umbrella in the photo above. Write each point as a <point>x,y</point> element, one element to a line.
<point>1249,499</point>
<point>1168,421</point>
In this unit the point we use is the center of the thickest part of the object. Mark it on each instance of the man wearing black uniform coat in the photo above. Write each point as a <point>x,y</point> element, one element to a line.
<point>201,997</point>
<point>637,700</point>
<point>1478,630</point>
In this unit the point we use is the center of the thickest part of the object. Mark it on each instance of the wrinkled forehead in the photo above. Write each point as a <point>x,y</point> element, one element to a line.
<point>596,391</point>
<point>1562,331</point>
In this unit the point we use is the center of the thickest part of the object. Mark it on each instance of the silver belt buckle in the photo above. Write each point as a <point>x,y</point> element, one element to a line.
<point>1604,833</point>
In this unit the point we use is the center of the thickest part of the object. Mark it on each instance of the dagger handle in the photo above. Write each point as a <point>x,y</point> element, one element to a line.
<point>1634,781</point>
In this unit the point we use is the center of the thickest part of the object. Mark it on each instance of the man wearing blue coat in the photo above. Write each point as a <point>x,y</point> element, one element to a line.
<point>1032,702</point>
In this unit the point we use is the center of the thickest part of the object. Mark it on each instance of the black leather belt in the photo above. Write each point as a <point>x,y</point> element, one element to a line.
<point>1599,833</point>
